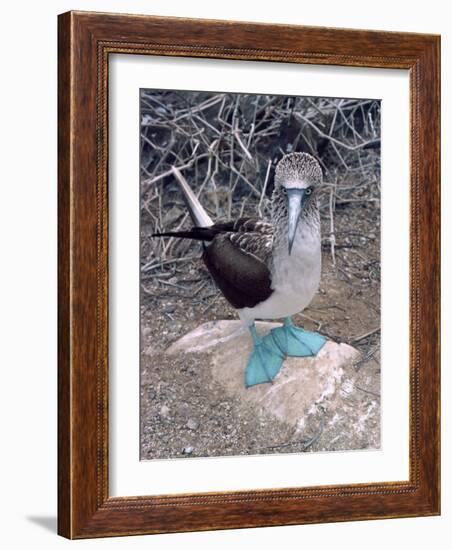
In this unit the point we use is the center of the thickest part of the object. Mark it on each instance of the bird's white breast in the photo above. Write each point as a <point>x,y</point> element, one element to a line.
<point>295,277</point>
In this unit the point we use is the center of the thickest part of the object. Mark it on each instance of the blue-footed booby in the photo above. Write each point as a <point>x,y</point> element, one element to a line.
<point>267,269</point>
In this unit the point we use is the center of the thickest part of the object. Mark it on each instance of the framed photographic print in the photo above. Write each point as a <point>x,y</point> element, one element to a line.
<point>248,275</point>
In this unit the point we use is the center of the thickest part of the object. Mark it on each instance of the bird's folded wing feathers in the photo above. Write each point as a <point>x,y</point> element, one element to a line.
<point>239,262</point>
<point>242,226</point>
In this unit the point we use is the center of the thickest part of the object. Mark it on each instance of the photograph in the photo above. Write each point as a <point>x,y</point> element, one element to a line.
<point>259,274</point>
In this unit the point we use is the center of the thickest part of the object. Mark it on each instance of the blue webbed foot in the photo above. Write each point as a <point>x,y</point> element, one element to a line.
<point>296,342</point>
<point>265,360</point>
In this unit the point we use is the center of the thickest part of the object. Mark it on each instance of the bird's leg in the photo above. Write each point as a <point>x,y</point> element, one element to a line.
<point>297,342</point>
<point>265,360</point>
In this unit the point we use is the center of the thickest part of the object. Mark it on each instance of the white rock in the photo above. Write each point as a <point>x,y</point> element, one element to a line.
<point>301,385</point>
<point>192,424</point>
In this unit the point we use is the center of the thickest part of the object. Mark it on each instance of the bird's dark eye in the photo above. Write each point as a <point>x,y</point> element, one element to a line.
<point>284,190</point>
<point>308,191</point>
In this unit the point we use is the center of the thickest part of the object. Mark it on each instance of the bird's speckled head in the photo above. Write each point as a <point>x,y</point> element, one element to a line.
<point>298,170</point>
<point>297,177</point>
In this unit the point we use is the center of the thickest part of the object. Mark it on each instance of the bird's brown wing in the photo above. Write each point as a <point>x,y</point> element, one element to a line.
<point>239,262</point>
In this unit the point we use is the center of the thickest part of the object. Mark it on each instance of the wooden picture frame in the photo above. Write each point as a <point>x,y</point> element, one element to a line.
<point>85,42</point>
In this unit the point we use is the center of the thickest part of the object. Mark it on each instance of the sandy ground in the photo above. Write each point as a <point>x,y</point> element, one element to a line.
<point>184,413</point>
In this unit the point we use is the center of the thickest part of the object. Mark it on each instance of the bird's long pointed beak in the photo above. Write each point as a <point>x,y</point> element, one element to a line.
<point>295,204</point>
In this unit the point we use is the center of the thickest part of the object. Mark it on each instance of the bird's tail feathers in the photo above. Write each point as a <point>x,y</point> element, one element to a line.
<point>197,233</point>
<point>198,214</point>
